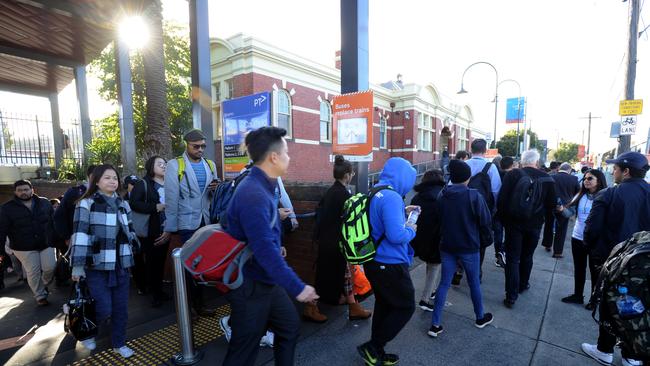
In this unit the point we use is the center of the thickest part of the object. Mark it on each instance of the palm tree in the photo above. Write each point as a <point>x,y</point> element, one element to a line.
<point>157,135</point>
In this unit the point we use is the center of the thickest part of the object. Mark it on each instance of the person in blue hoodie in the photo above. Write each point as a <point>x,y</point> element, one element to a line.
<point>388,272</point>
<point>464,216</point>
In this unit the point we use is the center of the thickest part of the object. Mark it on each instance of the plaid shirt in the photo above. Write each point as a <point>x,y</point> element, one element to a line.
<point>95,232</point>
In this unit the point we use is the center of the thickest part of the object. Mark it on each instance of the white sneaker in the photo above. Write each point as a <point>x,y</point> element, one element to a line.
<point>631,362</point>
<point>592,351</point>
<point>124,351</point>
<point>227,331</point>
<point>89,343</point>
<point>267,339</point>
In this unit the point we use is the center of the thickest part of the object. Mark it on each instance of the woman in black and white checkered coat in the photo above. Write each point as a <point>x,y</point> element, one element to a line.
<point>103,242</point>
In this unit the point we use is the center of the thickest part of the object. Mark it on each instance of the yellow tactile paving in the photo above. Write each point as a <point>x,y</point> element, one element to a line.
<point>159,346</point>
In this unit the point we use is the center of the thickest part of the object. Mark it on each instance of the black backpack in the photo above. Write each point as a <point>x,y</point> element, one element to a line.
<point>221,199</point>
<point>628,266</point>
<point>483,184</point>
<point>527,200</point>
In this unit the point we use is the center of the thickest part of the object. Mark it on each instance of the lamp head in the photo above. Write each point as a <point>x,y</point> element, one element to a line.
<point>462,90</point>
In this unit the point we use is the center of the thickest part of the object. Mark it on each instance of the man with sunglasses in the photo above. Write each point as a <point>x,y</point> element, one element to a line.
<point>190,181</point>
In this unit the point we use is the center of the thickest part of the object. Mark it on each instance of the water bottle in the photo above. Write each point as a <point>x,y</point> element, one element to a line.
<point>413,216</point>
<point>628,305</point>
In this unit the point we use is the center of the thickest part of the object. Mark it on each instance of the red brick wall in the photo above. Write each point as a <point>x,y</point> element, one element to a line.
<point>310,163</point>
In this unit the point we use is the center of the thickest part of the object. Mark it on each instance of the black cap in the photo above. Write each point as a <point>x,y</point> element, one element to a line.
<point>194,135</point>
<point>630,159</point>
<point>459,171</point>
<point>131,179</point>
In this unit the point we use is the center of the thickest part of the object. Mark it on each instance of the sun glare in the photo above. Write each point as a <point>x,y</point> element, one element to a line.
<point>134,32</point>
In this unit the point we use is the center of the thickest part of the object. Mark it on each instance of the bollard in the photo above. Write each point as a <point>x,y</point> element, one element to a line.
<point>188,355</point>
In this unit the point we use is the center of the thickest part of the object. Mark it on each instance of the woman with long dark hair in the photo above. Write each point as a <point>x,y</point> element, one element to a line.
<point>592,183</point>
<point>425,245</point>
<point>148,197</point>
<point>333,275</point>
<point>102,247</point>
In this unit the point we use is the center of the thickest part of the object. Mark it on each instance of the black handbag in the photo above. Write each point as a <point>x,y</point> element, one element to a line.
<point>80,316</point>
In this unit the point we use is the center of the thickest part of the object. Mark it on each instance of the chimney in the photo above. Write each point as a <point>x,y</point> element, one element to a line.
<point>337,60</point>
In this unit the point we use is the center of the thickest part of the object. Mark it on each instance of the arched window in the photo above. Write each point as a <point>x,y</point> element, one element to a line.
<point>325,121</point>
<point>284,111</point>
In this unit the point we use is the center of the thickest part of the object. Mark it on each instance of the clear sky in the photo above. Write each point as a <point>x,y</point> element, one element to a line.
<point>568,56</point>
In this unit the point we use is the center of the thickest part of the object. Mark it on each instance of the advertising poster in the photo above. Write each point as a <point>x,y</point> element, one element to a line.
<point>241,115</point>
<point>352,124</point>
<point>516,110</point>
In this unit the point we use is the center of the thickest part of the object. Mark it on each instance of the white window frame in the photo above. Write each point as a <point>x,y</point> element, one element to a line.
<point>328,120</point>
<point>276,111</point>
<point>383,132</point>
<point>230,87</point>
<point>217,91</point>
<point>463,141</point>
<point>426,131</point>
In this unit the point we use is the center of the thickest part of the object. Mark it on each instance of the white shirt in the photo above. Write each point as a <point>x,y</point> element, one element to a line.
<point>584,207</point>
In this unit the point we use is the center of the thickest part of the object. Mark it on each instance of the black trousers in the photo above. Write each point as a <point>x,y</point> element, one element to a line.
<point>549,229</point>
<point>561,225</point>
<point>154,260</point>
<point>580,258</point>
<point>606,340</point>
<point>520,246</point>
<point>256,307</point>
<point>394,300</point>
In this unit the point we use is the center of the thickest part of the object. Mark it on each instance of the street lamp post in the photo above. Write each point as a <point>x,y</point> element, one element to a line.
<point>496,92</point>
<point>518,111</point>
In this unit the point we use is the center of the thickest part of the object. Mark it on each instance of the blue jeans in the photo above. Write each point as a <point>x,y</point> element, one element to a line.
<point>110,289</point>
<point>472,265</point>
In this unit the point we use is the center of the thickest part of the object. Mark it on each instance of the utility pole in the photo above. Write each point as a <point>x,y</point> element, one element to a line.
<point>588,131</point>
<point>624,141</point>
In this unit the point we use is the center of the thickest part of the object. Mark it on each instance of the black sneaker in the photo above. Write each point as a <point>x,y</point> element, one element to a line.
<point>457,277</point>
<point>573,299</point>
<point>369,354</point>
<point>433,296</point>
<point>487,319</point>
<point>389,359</point>
<point>434,331</point>
<point>426,306</point>
<point>508,303</point>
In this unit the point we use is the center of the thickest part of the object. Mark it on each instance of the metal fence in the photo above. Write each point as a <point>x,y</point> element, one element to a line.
<point>420,169</point>
<point>28,140</point>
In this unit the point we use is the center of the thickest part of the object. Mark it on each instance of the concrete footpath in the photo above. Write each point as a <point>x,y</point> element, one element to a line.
<point>539,330</point>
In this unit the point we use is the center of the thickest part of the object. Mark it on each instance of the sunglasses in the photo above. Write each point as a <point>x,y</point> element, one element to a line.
<point>198,147</point>
<point>590,178</point>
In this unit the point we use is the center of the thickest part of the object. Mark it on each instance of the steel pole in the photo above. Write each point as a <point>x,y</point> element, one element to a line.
<point>188,355</point>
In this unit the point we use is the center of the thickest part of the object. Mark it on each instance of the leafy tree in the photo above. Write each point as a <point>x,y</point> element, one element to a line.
<point>507,145</point>
<point>178,103</point>
<point>567,152</point>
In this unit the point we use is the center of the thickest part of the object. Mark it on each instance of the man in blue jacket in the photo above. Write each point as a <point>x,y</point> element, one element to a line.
<point>263,299</point>
<point>388,272</point>
<point>465,226</point>
<point>617,213</point>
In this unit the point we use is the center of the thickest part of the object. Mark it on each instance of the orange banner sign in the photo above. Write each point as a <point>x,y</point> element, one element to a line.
<point>352,124</point>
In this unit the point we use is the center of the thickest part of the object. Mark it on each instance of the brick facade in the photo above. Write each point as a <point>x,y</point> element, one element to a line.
<point>310,157</point>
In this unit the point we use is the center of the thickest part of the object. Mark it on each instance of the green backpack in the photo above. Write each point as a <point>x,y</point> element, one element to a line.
<point>357,245</point>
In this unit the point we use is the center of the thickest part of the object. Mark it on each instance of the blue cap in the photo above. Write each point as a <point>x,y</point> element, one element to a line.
<point>631,160</point>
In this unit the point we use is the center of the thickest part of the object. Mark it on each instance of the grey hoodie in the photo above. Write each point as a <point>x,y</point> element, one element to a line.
<point>185,203</point>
